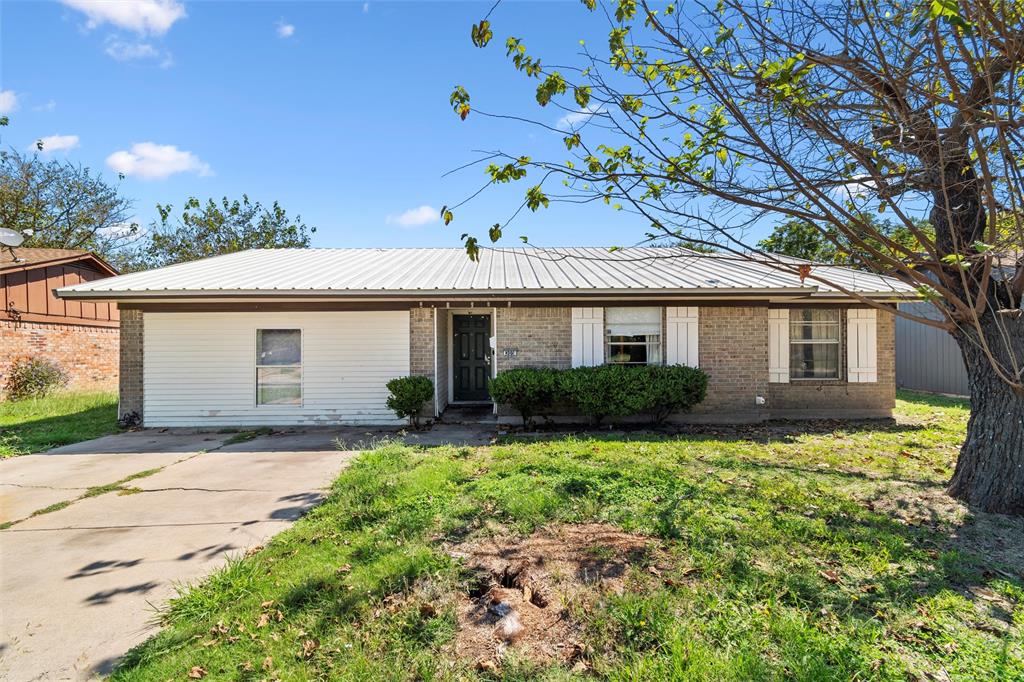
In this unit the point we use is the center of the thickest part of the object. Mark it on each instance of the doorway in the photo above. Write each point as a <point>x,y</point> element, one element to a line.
<point>471,357</point>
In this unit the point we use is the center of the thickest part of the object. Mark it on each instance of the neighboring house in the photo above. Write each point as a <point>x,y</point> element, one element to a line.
<point>80,336</point>
<point>310,336</point>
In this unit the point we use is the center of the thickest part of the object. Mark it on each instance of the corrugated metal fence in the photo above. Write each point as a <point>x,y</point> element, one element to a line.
<point>927,359</point>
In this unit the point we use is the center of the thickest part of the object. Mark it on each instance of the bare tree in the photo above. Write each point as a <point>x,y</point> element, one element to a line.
<point>708,119</point>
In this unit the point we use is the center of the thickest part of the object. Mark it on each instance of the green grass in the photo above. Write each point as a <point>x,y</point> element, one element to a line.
<point>780,566</point>
<point>246,436</point>
<point>35,425</point>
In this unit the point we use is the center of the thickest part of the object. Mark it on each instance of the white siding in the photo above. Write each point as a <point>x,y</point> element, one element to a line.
<point>862,345</point>
<point>681,335</point>
<point>199,369</point>
<point>778,345</point>
<point>587,337</point>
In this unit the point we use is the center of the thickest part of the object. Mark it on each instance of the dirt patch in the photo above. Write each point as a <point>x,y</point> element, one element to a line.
<point>524,590</point>
<point>998,538</point>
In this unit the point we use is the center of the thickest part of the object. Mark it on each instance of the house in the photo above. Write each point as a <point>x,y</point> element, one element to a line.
<point>79,335</point>
<point>310,336</point>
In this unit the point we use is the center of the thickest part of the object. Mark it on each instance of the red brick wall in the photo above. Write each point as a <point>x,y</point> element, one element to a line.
<point>88,354</point>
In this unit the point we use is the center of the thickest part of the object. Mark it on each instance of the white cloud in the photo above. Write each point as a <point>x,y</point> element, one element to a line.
<point>8,101</point>
<point>285,30</point>
<point>57,143</point>
<point>124,51</point>
<point>366,8</point>
<point>145,17</point>
<point>574,119</point>
<point>415,217</point>
<point>860,187</point>
<point>151,161</point>
<point>49,106</point>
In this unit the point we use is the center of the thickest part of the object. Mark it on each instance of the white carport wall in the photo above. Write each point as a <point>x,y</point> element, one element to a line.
<point>200,368</point>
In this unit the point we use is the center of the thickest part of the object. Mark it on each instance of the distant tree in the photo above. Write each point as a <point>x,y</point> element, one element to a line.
<point>802,239</point>
<point>212,229</point>
<point>66,205</point>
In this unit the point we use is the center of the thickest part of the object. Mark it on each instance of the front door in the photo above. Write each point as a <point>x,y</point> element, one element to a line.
<point>471,357</point>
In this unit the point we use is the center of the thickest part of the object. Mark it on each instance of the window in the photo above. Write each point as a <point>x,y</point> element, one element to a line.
<point>632,336</point>
<point>278,367</point>
<point>814,343</point>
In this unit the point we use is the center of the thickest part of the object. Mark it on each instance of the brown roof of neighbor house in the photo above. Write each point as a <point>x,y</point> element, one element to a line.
<point>31,257</point>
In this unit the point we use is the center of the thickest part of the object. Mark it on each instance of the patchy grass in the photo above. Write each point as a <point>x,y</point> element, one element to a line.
<point>246,436</point>
<point>35,425</point>
<point>823,554</point>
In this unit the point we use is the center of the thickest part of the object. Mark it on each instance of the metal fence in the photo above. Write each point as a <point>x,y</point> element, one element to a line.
<point>927,359</point>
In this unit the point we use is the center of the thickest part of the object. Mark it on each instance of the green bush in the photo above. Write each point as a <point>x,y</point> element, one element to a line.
<point>602,392</point>
<point>671,388</point>
<point>34,378</point>
<point>408,396</point>
<point>530,391</point>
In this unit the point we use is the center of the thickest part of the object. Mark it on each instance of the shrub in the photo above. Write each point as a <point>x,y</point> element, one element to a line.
<point>529,391</point>
<point>604,391</point>
<point>34,378</point>
<point>408,396</point>
<point>672,388</point>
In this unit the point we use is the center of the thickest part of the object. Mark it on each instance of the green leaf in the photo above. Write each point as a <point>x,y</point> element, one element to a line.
<point>495,232</point>
<point>582,95</point>
<point>722,154</point>
<point>481,33</point>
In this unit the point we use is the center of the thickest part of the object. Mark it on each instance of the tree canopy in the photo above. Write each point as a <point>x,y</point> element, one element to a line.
<point>64,205</point>
<point>213,228</point>
<point>804,240</point>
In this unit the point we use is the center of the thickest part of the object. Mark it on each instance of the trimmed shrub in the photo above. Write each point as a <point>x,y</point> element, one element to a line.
<point>672,388</point>
<point>408,396</point>
<point>34,378</point>
<point>604,391</point>
<point>530,391</point>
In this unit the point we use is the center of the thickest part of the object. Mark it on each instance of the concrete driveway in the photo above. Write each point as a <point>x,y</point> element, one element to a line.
<point>79,585</point>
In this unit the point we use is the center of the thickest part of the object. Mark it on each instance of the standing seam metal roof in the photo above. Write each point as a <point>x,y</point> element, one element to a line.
<point>439,270</point>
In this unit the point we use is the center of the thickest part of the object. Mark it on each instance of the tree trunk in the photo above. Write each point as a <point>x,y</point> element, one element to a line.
<point>990,471</point>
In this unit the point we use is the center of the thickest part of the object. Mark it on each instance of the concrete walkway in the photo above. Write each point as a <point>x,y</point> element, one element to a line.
<point>79,586</point>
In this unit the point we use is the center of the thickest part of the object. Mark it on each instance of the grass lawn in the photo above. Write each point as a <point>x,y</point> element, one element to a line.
<point>827,553</point>
<point>35,425</point>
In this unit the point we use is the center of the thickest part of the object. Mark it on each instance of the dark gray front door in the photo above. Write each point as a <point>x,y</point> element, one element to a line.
<point>471,356</point>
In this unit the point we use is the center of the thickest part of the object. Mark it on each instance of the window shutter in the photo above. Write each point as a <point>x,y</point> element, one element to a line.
<point>681,336</point>
<point>778,345</point>
<point>587,337</point>
<point>861,345</point>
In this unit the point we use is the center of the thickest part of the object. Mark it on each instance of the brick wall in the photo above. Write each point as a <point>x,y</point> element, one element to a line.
<point>825,398</point>
<point>422,348</point>
<point>542,337</point>
<point>87,354</point>
<point>733,350</point>
<point>131,359</point>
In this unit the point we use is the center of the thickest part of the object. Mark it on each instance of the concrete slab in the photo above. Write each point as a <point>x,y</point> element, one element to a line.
<point>79,586</point>
<point>32,482</point>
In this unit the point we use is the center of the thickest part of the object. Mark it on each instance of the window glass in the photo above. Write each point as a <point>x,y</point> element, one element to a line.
<point>633,335</point>
<point>278,367</point>
<point>814,343</point>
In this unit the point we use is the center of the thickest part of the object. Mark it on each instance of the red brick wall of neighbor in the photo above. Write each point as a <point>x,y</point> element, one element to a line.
<point>88,354</point>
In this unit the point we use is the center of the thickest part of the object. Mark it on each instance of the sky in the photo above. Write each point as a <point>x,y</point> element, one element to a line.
<point>337,110</point>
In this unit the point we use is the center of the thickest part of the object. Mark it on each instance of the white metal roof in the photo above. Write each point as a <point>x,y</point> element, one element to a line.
<point>433,272</point>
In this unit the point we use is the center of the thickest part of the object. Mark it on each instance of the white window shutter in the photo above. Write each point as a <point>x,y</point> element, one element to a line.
<point>778,345</point>
<point>681,325</point>
<point>861,345</point>
<point>587,337</point>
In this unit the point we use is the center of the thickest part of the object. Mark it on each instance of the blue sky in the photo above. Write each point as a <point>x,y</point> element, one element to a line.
<point>339,110</point>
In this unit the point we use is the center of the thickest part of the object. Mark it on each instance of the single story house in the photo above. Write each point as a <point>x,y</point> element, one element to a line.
<point>310,336</point>
<point>80,336</point>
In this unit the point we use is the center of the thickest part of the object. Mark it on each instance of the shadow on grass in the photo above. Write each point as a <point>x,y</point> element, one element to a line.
<point>43,433</point>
